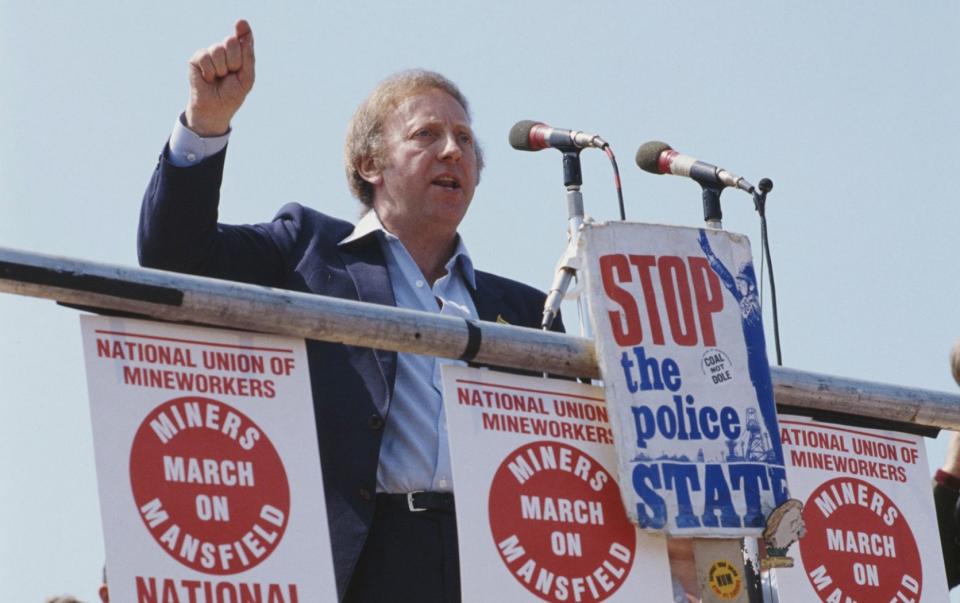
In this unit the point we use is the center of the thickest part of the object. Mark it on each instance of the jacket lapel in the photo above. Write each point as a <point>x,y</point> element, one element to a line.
<point>486,298</point>
<point>364,262</point>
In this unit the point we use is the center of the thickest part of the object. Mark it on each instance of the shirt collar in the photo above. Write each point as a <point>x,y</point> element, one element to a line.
<point>370,223</point>
<point>462,259</point>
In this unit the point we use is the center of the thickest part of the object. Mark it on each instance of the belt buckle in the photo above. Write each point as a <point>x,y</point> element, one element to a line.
<point>410,505</point>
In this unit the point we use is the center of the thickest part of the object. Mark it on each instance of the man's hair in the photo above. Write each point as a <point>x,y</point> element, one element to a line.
<point>365,132</point>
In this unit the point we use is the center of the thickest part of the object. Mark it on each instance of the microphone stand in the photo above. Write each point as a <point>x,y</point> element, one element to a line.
<point>748,549</point>
<point>570,261</point>
<point>712,214</point>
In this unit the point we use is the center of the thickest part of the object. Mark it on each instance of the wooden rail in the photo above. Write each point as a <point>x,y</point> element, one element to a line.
<point>183,298</point>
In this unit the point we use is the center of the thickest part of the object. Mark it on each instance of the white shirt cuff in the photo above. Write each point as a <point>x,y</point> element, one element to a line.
<point>187,148</point>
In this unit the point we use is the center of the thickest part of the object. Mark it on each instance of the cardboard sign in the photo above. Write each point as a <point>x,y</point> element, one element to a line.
<point>539,514</point>
<point>207,463</point>
<point>865,513</point>
<point>680,345</point>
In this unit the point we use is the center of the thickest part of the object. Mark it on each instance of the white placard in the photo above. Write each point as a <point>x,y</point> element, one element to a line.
<point>870,529</point>
<point>680,345</point>
<point>539,514</point>
<point>207,464</point>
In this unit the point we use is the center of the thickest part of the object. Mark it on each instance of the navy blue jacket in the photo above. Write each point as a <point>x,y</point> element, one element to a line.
<point>298,250</point>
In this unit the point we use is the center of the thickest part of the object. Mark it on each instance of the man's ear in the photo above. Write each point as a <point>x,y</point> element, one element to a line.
<point>370,171</point>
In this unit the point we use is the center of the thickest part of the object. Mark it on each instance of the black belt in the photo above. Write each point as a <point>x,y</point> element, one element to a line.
<point>419,501</point>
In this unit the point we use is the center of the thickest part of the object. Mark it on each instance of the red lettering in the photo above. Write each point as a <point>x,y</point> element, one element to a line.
<point>626,325</point>
<point>684,308</point>
<point>673,280</point>
<point>146,590</point>
<point>706,289</point>
<point>644,263</point>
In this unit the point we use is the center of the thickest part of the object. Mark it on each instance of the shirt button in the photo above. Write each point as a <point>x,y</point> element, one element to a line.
<point>375,422</point>
<point>443,483</point>
<point>419,283</point>
<point>191,157</point>
<point>365,494</point>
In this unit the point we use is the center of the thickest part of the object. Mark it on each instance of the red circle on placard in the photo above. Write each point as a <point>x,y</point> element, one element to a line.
<point>209,485</point>
<point>558,522</point>
<point>859,543</point>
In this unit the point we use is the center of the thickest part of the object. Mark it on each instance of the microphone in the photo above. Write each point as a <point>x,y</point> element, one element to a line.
<point>528,135</point>
<point>658,157</point>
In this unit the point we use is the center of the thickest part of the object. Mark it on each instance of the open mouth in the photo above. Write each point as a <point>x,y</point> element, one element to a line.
<point>447,182</point>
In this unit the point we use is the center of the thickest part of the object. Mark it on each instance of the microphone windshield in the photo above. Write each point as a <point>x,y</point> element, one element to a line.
<point>520,135</point>
<point>648,155</point>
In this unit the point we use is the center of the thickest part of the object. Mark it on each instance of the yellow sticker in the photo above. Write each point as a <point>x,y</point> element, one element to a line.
<point>725,580</point>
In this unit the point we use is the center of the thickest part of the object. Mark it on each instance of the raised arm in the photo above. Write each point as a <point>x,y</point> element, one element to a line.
<point>179,230</point>
<point>221,76</point>
<point>725,277</point>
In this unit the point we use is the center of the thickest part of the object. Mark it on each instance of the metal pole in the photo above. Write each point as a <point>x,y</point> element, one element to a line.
<point>183,298</point>
<point>739,554</point>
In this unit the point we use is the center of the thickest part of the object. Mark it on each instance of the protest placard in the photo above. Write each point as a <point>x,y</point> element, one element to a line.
<point>862,504</point>
<point>680,344</point>
<point>207,464</point>
<point>539,513</point>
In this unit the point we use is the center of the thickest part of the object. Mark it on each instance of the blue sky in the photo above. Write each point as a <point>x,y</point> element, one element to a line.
<point>850,107</point>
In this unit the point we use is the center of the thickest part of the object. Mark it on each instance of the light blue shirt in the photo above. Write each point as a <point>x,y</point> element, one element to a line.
<point>187,148</point>
<point>414,452</point>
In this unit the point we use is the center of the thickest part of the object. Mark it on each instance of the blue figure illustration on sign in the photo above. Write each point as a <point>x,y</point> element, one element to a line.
<point>743,287</point>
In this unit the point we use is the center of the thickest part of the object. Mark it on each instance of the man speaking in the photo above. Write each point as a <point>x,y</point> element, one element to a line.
<point>412,159</point>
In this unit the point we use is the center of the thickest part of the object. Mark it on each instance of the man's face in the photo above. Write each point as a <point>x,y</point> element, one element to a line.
<point>429,169</point>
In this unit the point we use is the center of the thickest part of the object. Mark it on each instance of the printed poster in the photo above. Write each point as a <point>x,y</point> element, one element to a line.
<point>863,514</point>
<point>539,513</point>
<point>679,332</point>
<point>207,464</point>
